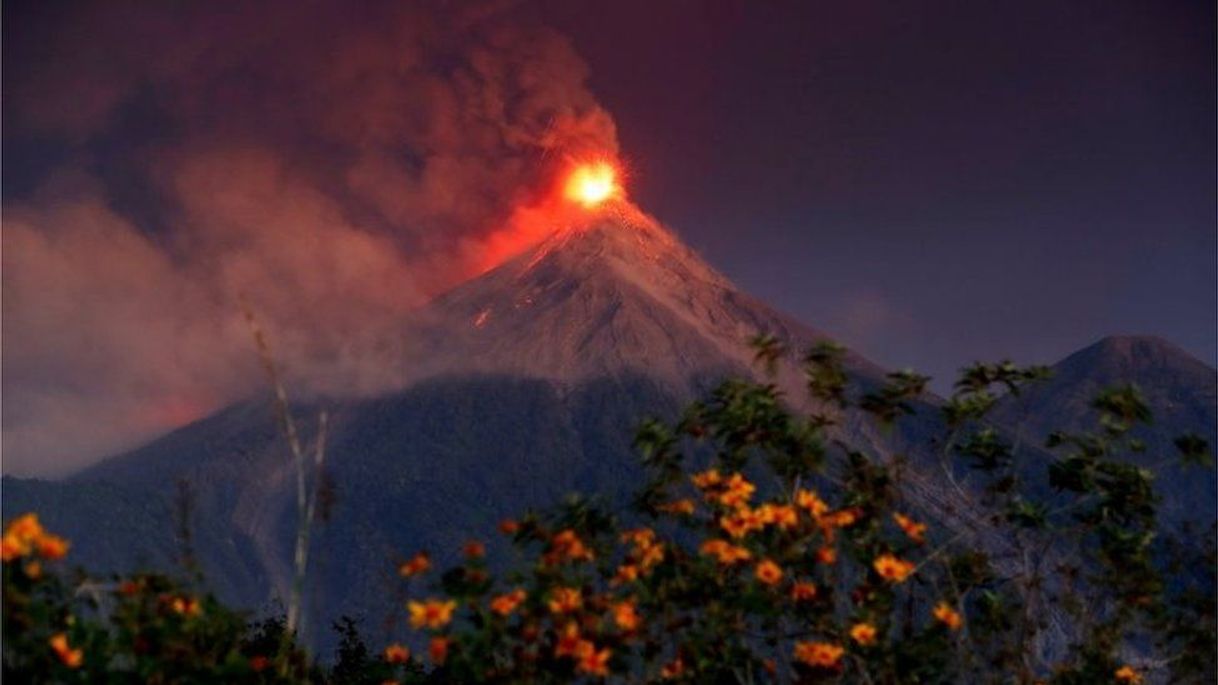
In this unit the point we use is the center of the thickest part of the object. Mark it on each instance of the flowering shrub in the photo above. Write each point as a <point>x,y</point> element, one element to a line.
<point>761,548</point>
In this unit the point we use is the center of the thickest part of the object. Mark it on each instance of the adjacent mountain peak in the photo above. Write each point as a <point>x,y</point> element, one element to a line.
<point>1141,359</point>
<point>619,293</point>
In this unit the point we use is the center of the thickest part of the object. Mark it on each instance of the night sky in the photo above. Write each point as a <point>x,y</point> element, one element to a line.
<point>930,184</point>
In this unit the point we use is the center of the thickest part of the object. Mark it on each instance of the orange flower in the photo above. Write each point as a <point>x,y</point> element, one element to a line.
<point>803,591</point>
<point>737,491</point>
<point>626,573</point>
<point>673,669</point>
<point>25,528</point>
<point>69,657</point>
<point>819,654</point>
<point>625,616</point>
<point>768,572</point>
<point>683,507</point>
<point>843,518</point>
<point>568,641</point>
<point>432,613</point>
<point>811,501</point>
<point>781,515</point>
<point>741,523</point>
<point>20,536</point>
<point>565,600</point>
<point>417,564</point>
<point>474,549</point>
<point>639,537</point>
<point>863,634</point>
<point>707,479</point>
<point>566,546</point>
<point>11,548</point>
<point>186,606</point>
<point>509,527</point>
<point>1126,674</point>
<point>913,530</point>
<point>826,555</point>
<point>948,616</point>
<point>437,649</point>
<point>504,605</point>
<point>592,661</point>
<point>892,569</point>
<point>397,654</point>
<point>51,547</point>
<point>725,552</point>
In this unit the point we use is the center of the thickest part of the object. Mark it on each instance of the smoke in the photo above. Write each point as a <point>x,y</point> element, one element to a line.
<point>335,164</point>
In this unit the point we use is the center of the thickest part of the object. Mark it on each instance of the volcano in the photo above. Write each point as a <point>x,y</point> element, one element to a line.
<point>530,381</point>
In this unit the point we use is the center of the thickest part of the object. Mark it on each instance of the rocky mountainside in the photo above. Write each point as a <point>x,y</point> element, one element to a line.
<point>533,378</point>
<point>1181,391</point>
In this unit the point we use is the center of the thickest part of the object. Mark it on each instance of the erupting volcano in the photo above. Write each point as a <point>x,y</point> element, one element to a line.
<point>592,184</point>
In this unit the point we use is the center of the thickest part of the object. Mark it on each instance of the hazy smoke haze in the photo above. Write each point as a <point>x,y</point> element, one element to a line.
<point>336,164</point>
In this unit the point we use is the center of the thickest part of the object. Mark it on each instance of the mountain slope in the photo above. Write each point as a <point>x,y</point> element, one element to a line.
<point>1181,391</point>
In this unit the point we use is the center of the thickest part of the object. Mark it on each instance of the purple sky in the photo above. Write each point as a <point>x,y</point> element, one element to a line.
<point>932,185</point>
<point>933,182</point>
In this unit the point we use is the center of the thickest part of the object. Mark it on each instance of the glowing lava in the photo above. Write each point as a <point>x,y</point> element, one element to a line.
<point>592,184</point>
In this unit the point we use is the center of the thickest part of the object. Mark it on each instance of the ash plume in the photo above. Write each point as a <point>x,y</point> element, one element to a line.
<point>338,164</point>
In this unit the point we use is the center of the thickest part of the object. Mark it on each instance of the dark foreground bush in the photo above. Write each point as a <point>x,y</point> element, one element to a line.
<point>762,548</point>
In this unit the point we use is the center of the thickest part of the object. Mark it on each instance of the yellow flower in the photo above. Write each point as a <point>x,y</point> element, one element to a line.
<point>565,600</point>
<point>431,613</point>
<point>820,654</point>
<point>397,654</point>
<point>803,591</point>
<point>913,530</point>
<point>437,649</point>
<point>417,564</point>
<point>768,572</point>
<point>684,507</point>
<point>1126,674</point>
<point>725,552</point>
<point>625,616</point>
<point>892,569</point>
<point>592,661</point>
<point>863,634</point>
<point>506,604</point>
<point>948,616</point>
<point>69,657</point>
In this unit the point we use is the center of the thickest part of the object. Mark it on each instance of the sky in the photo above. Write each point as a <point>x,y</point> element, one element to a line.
<point>930,184</point>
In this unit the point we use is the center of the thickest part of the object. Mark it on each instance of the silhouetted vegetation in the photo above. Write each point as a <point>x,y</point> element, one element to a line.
<point>763,547</point>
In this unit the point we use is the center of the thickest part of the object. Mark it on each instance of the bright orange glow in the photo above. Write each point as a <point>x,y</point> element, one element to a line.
<point>592,184</point>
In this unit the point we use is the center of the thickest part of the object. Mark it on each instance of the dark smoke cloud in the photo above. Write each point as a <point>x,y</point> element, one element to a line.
<point>336,163</point>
